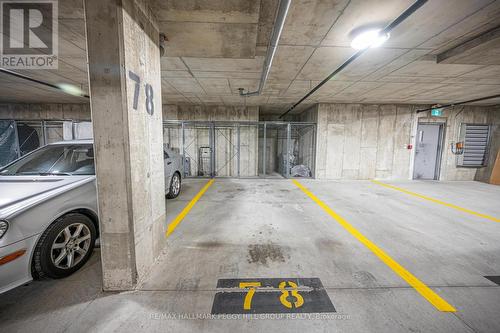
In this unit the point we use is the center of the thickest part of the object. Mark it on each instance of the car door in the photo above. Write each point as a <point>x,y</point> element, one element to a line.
<point>168,168</point>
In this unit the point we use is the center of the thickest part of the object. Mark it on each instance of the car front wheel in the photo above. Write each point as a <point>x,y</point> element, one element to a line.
<point>64,247</point>
<point>175,186</point>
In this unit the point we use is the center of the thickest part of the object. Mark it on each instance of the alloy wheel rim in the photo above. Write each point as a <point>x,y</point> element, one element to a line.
<point>176,184</point>
<point>70,246</point>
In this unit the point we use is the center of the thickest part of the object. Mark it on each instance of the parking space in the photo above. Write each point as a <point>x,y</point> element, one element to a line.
<point>265,229</point>
<point>441,247</point>
<point>471,198</point>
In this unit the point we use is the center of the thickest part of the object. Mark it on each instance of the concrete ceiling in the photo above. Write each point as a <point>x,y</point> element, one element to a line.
<point>217,46</point>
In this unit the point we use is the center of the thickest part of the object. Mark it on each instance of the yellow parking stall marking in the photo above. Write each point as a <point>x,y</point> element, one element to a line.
<point>465,210</point>
<point>185,211</point>
<point>413,281</point>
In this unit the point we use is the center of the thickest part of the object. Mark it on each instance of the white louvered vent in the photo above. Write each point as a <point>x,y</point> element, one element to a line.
<point>476,140</point>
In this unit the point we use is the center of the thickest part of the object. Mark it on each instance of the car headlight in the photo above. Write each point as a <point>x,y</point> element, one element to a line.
<point>4,225</point>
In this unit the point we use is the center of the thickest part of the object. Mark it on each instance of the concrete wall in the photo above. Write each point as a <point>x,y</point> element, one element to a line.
<point>210,112</point>
<point>356,141</point>
<point>45,111</point>
<point>376,134</point>
<point>170,112</point>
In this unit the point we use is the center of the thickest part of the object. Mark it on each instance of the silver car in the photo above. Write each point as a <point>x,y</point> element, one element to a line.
<point>48,211</point>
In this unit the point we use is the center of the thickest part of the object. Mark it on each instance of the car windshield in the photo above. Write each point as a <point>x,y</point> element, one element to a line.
<point>60,159</point>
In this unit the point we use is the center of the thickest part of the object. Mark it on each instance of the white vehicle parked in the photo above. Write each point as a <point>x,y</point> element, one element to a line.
<point>48,211</point>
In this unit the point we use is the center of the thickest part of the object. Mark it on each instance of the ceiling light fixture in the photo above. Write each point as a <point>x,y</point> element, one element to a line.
<point>54,86</point>
<point>391,26</point>
<point>369,38</point>
<point>70,89</point>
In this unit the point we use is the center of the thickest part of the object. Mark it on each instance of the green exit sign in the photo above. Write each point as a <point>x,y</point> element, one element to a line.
<point>438,112</point>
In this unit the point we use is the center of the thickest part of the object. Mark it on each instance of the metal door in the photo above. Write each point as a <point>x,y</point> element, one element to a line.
<point>428,151</point>
<point>167,170</point>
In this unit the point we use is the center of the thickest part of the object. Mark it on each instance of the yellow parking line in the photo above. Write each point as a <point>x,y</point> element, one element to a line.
<point>465,210</point>
<point>418,285</point>
<point>185,211</point>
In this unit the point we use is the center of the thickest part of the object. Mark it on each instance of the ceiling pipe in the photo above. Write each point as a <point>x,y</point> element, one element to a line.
<point>279,23</point>
<point>25,77</point>
<point>459,103</point>
<point>403,16</point>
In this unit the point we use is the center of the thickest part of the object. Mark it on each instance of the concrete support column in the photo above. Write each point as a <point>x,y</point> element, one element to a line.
<point>125,89</point>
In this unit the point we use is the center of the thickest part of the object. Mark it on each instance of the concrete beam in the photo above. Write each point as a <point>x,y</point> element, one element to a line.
<point>480,50</point>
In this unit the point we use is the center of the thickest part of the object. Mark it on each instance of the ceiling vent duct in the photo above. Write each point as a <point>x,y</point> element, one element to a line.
<point>475,138</point>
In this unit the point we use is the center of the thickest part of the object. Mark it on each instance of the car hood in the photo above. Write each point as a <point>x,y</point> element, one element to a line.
<point>17,191</point>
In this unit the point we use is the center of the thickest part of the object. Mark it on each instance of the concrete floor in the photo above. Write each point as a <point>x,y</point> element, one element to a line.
<point>270,229</point>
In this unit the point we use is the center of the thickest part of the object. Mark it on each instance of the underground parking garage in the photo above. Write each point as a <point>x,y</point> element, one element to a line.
<point>210,166</point>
